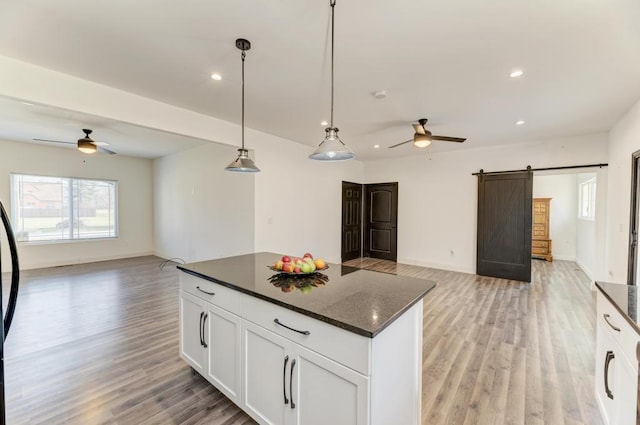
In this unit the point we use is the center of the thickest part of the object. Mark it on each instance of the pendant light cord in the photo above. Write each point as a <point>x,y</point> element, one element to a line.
<point>244,53</point>
<point>333,5</point>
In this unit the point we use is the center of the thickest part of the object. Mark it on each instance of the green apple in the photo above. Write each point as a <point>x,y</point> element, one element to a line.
<point>306,268</point>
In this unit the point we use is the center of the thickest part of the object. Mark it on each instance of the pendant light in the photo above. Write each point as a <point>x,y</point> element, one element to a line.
<point>332,148</point>
<point>243,163</point>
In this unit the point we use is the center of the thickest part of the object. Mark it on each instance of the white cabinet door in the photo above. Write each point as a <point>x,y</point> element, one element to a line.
<point>325,392</point>
<point>607,359</point>
<point>626,391</point>
<point>266,378</point>
<point>222,338</point>
<point>191,315</point>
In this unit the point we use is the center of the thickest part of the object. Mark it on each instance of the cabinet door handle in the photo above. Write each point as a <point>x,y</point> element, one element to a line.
<point>204,292</point>
<point>284,380</point>
<point>293,364</point>
<point>277,322</point>
<point>610,356</point>
<point>200,329</point>
<point>204,341</point>
<point>606,319</point>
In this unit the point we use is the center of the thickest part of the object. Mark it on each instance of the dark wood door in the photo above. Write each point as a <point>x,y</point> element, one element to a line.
<point>351,221</point>
<point>504,225</point>
<point>381,221</point>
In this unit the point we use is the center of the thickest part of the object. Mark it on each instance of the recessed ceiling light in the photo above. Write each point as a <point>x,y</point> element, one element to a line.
<point>324,123</point>
<point>376,146</point>
<point>517,73</point>
<point>519,122</point>
<point>216,76</point>
<point>26,103</point>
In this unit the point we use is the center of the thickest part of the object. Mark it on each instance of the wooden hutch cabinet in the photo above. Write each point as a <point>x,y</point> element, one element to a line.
<point>540,243</point>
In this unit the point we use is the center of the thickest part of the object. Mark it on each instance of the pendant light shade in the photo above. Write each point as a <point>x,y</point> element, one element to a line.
<point>243,164</point>
<point>332,148</point>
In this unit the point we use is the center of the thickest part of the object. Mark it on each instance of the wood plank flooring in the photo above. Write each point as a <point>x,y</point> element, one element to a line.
<point>98,344</point>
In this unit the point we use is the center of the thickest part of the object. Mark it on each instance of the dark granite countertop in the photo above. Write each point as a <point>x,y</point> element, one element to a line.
<point>360,301</point>
<point>625,299</point>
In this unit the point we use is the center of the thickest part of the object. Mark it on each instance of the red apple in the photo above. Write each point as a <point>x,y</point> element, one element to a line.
<point>287,267</point>
<point>285,259</point>
<point>307,255</point>
<point>297,269</point>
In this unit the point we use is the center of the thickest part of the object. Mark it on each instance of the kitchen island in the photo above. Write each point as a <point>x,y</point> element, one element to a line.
<point>340,346</point>
<point>617,353</point>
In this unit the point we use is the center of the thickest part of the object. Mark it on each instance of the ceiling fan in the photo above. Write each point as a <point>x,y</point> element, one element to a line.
<point>423,137</point>
<point>85,144</point>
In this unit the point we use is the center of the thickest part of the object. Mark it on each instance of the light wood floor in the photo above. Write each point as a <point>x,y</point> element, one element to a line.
<point>98,344</point>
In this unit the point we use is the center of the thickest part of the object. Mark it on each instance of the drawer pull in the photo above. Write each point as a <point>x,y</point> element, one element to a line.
<point>204,292</point>
<point>606,319</point>
<point>284,379</point>
<point>293,364</point>
<point>610,356</point>
<point>277,322</point>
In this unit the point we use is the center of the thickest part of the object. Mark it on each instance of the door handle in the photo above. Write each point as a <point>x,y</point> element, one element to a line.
<point>293,364</point>
<point>610,356</point>
<point>284,380</point>
<point>204,341</point>
<point>200,327</point>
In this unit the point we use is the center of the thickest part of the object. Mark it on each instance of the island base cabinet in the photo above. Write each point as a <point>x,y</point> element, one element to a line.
<point>210,343</point>
<point>327,392</point>
<point>191,314</point>
<point>305,388</point>
<point>222,366</point>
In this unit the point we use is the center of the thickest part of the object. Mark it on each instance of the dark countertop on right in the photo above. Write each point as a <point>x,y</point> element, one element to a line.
<point>625,299</point>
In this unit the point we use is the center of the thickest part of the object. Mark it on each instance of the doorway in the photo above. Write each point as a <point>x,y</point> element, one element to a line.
<point>369,221</point>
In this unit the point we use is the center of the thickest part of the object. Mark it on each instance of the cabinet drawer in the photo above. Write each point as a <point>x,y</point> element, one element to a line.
<point>224,297</point>
<point>627,338</point>
<point>540,244</point>
<point>342,346</point>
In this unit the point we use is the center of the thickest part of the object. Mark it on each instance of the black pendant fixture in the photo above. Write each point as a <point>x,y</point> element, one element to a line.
<point>332,148</point>
<point>243,163</point>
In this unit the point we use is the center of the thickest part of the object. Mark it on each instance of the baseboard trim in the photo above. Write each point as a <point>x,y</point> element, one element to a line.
<point>585,269</point>
<point>44,265</point>
<point>439,266</point>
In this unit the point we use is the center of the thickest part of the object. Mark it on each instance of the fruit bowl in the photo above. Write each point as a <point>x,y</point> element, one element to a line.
<point>282,272</point>
<point>294,266</point>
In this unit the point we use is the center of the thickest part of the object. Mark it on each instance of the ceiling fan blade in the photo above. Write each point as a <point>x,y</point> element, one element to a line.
<point>53,141</point>
<point>105,150</point>
<point>419,129</point>
<point>448,139</point>
<point>400,144</point>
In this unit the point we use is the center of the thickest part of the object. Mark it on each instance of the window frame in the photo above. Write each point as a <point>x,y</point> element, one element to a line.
<point>591,186</point>
<point>15,206</point>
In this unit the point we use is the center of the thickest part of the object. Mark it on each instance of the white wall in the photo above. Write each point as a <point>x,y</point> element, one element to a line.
<point>563,211</point>
<point>437,203</point>
<point>134,202</point>
<point>587,231</point>
<point>298,200</point>
<point>202,211</point>
<point>624,139</point>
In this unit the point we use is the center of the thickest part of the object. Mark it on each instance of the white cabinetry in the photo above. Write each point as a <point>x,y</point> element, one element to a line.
<point>616,379</point>
<point>210,335</point>
<point>286,368</point>
<point>287,384</point>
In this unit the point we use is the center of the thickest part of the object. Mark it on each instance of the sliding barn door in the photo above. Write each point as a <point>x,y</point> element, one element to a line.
<point>504,225</point>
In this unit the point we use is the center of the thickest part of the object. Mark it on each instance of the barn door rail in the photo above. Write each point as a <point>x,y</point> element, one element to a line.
<point>566,167</point>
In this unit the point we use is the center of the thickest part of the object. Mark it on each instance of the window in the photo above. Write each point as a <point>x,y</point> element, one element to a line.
<point>587,207</point>
<point>61,208</point>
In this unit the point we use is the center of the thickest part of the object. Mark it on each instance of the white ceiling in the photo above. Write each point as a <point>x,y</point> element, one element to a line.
<point>448,61</point>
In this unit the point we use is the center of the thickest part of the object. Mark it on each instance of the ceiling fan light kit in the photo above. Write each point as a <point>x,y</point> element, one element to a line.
<point>332,148</point>
<point>243,163</point>
<point>86,146</point>
<point>423,137</point>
